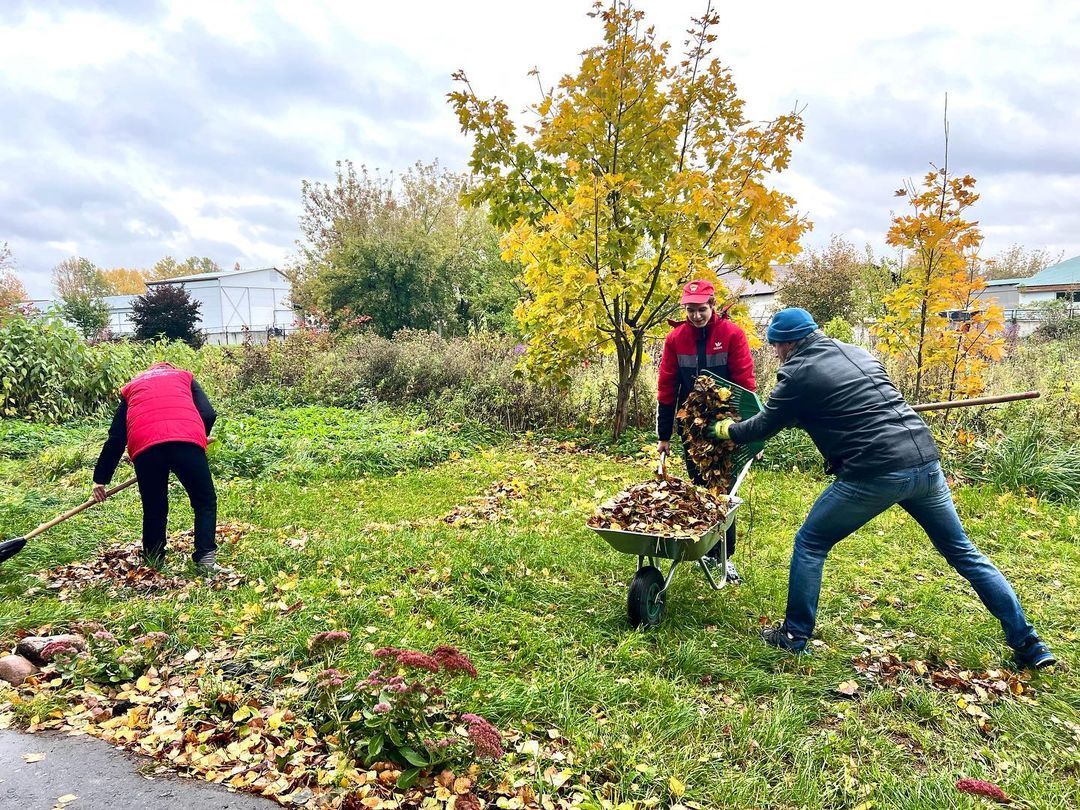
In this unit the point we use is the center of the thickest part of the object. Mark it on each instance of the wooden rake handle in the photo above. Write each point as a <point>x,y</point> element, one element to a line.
<point>70,513</point>
<point>84,506</point>
<point>964,403</point>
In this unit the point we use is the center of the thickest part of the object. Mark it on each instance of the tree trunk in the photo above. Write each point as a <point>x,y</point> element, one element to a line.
<point>629,354</point>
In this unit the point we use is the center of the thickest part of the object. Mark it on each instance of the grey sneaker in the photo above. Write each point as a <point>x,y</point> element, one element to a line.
<point>213,570</point>
<point>779,637</point>
<point>732,574</point>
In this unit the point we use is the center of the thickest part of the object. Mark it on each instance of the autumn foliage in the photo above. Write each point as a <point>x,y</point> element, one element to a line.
<point>638,173</point>
<point>944,358</point>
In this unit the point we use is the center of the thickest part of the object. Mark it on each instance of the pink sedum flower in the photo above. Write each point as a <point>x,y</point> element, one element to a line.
<point>453,660</point>
<point>486,739</point>
<point>977,787</point>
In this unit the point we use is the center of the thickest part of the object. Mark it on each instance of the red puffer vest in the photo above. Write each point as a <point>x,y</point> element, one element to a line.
<point>161,409</point>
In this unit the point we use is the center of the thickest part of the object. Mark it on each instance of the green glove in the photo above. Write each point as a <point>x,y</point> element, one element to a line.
<point>720,430</point>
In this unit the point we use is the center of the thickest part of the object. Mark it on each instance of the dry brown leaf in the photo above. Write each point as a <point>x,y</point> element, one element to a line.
<point>848,688</point>
<point>670,508</point>
<point>706,403</point>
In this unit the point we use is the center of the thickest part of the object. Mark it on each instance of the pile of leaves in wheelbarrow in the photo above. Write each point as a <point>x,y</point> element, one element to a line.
<point>707,403</point>
<point>669,508</point>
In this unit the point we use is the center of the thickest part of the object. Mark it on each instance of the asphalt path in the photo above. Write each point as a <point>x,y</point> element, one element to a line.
<point>102,778</point>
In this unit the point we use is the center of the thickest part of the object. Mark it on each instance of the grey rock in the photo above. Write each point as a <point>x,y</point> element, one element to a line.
<point>35,649</point>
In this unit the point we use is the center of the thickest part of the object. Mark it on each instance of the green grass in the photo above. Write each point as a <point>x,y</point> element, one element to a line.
<point>538,602</point>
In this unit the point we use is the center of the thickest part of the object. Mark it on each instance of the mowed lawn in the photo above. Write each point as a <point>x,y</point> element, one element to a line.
<point>697,709</point>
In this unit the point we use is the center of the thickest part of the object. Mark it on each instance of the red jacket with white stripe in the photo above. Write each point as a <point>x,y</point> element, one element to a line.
<point>720,346</point>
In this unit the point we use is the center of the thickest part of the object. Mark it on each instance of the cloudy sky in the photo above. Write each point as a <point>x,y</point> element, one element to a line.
<point>133,129</point>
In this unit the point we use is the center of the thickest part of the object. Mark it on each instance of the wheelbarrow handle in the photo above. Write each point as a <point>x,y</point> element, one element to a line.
<point>76,510</point>
<point>965,403</point>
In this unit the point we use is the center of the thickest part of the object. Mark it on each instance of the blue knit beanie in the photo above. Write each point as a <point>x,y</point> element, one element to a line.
<point>789,325</point>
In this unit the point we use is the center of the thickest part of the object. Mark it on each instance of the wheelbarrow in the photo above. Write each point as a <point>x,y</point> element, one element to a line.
<point>645,600</point>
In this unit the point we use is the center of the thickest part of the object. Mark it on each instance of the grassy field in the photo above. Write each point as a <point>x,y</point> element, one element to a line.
<point>696,711</point>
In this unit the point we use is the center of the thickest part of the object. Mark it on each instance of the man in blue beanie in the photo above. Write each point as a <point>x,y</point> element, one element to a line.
<point>882,454</point>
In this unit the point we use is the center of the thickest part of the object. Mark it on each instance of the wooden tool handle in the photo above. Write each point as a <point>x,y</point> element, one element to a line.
<point>81,507</point>
<point>662,469</point>
<point>964,403</point>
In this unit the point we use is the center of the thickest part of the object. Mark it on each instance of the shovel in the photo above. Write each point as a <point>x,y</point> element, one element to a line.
<point>10,548</point>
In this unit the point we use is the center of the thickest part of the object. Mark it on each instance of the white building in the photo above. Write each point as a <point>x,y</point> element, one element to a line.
<point>232,303</point>
<point>1021,298</point>
<point>238,302</point>
<point>759,296</point>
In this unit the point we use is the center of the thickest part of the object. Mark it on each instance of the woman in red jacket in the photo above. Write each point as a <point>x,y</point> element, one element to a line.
<point>164,418</point>
<point>706,339</point>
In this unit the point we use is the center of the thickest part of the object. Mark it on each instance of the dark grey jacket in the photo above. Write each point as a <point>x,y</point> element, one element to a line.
<point>842,396</point>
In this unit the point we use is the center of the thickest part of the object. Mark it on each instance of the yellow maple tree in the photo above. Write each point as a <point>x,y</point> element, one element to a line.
<point>639,172</point>
<point>935,326</point>
<point>125,281</point>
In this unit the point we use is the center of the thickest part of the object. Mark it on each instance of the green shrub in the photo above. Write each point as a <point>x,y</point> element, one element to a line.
<point>472,378</point>
<point>48,373</point>
<point>840,329</point>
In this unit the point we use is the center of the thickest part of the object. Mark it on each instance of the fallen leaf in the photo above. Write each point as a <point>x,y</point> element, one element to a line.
<point>677,788</point>
<point>33,757</point>
<point>848,688</point>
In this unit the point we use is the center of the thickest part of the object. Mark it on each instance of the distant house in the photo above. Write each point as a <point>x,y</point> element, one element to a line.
<point>232,304</point>
<point>1021,297</point>
<point>760,297</point>
<point>1004,291</point>
<point>1060,282</point>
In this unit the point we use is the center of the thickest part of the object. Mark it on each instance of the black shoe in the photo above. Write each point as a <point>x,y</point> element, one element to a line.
<point>1034,655</point>
<point>779,637</point>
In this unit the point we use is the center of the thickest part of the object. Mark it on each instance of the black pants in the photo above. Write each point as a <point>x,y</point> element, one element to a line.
<point>695,478</point>
<point>152,468</point>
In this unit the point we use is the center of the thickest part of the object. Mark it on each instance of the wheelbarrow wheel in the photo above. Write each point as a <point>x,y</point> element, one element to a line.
<point>645,604</point>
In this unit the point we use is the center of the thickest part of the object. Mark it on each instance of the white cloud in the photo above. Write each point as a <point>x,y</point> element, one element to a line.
<point>187,129</point>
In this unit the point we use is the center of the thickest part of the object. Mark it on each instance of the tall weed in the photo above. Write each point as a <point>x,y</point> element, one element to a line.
<point>1031,460</point>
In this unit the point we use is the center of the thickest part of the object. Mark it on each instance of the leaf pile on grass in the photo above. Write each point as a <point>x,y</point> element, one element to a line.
<point>670,508</point>
<point>706,403</point>
<point>489,507</point>
<point>977,689</point>
<point>121,570</point>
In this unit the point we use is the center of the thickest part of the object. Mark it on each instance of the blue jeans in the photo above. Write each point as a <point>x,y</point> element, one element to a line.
<point>923,492</point>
